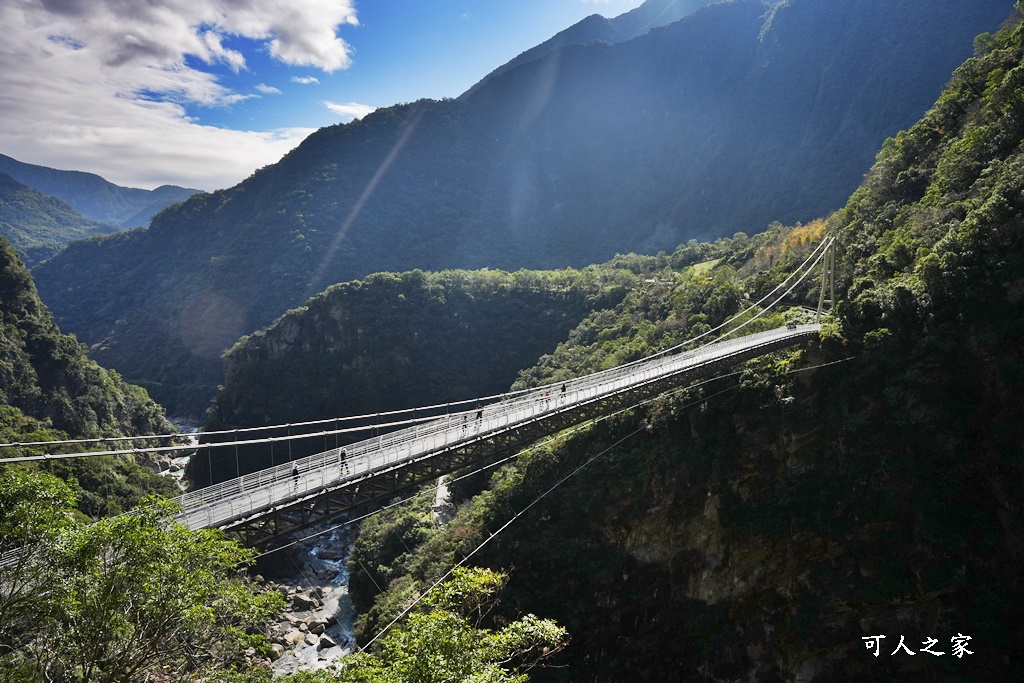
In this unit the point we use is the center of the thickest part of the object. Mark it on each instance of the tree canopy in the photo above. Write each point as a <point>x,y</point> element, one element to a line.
<point>120,599</point>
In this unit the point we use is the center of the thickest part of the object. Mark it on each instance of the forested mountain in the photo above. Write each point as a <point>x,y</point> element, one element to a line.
<point>94,197</point>
<point>848,511</point>
<point>39,225</point>
<point>728,119</point>
<point>851,511</point>
<point>50,390</point>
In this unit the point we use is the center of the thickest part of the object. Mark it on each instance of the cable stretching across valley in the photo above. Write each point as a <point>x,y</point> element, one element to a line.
<point>816,255</point>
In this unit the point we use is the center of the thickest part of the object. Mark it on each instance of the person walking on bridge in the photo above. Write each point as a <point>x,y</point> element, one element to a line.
<point>295,475</point>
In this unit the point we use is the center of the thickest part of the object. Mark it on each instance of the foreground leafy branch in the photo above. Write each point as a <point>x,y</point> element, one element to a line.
<point>443,640</point>
<point>119,599</point>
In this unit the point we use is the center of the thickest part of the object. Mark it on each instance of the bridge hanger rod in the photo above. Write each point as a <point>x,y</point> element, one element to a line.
<point>766,309</point>
<point>749,308</point>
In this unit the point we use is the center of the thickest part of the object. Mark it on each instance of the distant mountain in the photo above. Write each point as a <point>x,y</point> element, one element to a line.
<point>735,116</point>
<point>39,225</point>
<point>636,22</point>
<point>94,197</point>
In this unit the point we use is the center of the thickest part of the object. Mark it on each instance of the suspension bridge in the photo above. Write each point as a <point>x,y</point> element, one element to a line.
<point>264,505</point>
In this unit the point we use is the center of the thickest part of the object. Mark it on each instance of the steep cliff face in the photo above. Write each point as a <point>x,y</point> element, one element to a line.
<point>47,375</point>
<point>756,534</point>
<point>50,390</point>
<point>777,525</point>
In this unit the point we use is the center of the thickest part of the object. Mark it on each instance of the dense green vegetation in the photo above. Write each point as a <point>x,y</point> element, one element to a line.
<point>447,638</point>
<point>728,119</point>
<point>95,198</point>
<point>138,597</point>
<point>47,375</point>
<point>126,598</point>
<point>754,527</point>
<point>39,225</point>
<point>763,526</point>
<point>50,390</point>
<point>395,341</point>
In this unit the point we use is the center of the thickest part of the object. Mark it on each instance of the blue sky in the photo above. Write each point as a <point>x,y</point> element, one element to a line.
<point>402,50</point>
<point>200,93</point>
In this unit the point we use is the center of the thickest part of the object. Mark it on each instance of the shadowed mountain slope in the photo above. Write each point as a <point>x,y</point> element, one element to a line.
<point>733,117</point>
<point>850,511</point>
<point>636,22</point>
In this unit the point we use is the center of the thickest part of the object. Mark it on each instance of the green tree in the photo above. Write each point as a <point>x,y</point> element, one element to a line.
<point>444,640</point>
<point>34,511</point>
<point>120,599</point>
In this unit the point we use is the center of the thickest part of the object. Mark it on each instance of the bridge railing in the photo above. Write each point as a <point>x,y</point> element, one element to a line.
<point>256,491</point>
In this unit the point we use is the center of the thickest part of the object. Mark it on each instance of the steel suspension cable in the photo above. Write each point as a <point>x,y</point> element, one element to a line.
<point>823,245</point>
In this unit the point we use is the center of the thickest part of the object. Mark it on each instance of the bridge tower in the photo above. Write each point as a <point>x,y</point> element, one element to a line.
<point>828,279</point>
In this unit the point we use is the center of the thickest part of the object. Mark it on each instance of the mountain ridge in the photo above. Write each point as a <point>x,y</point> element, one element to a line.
<point>596,27</point>
<point>695,129</point>
<point>93,196</point>
<point>39,225</point>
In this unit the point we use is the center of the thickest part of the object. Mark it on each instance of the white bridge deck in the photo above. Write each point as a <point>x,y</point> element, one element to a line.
<point>256,493</point>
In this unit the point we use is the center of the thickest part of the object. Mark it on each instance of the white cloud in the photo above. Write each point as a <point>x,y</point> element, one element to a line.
<point>350,110</point>
<point>298,32</point>
<point>267,89</point>
<point>212,43</point>
<point>101,85</point>
<point>305,36</point>
<point>305,80</point>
